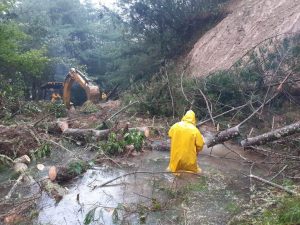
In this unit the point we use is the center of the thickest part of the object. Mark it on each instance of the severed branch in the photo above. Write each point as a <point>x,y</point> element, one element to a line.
<point>273,184</point>
<point>259,108</point>
<point>272,135</point>
<point>8,196</point>
<point>276,175</point>
<point>275,153</point>
<point>181,85</point>
<point>6,159</point>
<point>40,120</point>
<point>170,91</point>
<point>208,107</point>
<point>141,172</point>
<point>224,113</point>
<point>121,110</point>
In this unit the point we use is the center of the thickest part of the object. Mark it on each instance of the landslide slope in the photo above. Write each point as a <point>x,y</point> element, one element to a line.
<point>248,23</point>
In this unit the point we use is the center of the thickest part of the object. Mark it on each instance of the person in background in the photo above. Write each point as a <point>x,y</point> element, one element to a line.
<point>186,143</point>
<point>55,97</point>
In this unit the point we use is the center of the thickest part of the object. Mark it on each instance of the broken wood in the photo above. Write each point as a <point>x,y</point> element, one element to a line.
<point>219,138</point>
<point>222,114</point>
<point>87,135</point>
<point>6,160</point>
<point>56,127</point>
<point>65,173</point>
<point>223,136</point>
<point>272,135</point>
<point>273,184</point>
<point>91,135</point>
<point>20,167</point>
<point>23,159</point>
<point>8,196</point>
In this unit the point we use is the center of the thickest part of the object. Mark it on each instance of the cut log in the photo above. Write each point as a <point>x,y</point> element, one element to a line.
<point>62,174</point>
<point>86,135</point>
<point>272,135</point>
<point>20,167</point>
<point>161,145</point>
<point>92,135</point>
<point>273,184</point>
<point>23,159</point>
<point>52,173</point>
<point>223,136</point>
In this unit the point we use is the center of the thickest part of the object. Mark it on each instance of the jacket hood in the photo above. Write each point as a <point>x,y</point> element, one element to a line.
<point>189,117</point>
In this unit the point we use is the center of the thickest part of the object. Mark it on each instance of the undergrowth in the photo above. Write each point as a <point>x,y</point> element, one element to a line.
<point>116,143</point>
<point>284,211</point>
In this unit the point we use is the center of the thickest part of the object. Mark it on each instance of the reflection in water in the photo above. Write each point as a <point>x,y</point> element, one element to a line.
<point>149,198</point>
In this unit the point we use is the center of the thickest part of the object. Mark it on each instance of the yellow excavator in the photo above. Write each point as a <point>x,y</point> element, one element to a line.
<point>92,91</point>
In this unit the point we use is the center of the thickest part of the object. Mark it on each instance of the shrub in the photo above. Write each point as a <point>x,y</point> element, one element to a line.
<point>57,108</point>
<point>116,144</point>
<point>134,138</point>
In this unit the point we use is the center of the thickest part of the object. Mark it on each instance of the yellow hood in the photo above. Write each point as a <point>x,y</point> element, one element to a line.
<point>189,117</point>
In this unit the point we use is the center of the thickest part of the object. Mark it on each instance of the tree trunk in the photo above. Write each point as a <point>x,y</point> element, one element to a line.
<point>91,135</point>
<point>223,136</point>
<point>86,135</point>
<point>272,135</point>
<point>164,145</point>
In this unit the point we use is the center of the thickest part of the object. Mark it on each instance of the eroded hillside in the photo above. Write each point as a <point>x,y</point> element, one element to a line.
<point>249,23</point>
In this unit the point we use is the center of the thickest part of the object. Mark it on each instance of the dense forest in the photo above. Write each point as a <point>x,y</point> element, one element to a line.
<point>59,163</point>
<point>40,41</point>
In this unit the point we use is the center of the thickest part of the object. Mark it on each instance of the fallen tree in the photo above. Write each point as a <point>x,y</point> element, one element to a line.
<point>272,135</point>
<point>223,136</point>
<point>219,138</point>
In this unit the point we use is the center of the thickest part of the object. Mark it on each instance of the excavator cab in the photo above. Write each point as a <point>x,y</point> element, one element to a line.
<point>52,91</point>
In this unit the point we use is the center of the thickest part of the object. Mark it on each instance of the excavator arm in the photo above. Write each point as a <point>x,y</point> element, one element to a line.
<point>92,91</point>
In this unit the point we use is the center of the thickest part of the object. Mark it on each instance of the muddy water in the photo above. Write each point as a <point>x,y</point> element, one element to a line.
<point>154,198</point>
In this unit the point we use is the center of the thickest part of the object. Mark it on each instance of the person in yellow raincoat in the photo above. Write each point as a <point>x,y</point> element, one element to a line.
<point>186,143</point>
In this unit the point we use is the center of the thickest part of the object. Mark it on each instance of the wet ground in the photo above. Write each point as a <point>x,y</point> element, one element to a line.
<point>154,197</point>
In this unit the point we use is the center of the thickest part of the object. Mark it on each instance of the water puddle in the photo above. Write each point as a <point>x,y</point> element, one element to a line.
<point>154,197</point>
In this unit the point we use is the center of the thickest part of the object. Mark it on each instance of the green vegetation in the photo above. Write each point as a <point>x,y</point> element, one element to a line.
<point>42,152</point>
<point>40,41</point>
<point>255,78</point>
<point>285,211</point>
<point>88,107</point>
<point>134,138</point>
<point>116,144</point>
<point>77,167</point>
<point>57,108</point>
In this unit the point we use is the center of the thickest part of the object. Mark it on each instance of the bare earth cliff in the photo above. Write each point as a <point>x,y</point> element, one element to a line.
<point>248,23</point>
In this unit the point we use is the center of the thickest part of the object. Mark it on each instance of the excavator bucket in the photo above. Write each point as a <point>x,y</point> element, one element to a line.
<point>92,91</point>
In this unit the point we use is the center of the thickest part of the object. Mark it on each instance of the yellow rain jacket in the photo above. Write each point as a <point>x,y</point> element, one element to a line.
<point>186,142</point>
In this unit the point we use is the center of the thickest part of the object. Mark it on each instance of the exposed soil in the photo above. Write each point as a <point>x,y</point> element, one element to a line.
<point>248,24</point>
<point>16,141</point>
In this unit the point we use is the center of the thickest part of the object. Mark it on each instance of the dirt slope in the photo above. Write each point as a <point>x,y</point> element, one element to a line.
<point>249,23</point>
